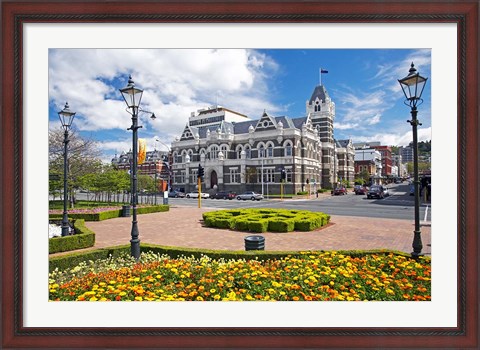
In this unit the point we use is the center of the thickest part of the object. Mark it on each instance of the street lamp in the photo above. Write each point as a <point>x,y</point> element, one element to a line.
<point>412,86</point>
<point>132,96</point>
<point>66,118</point>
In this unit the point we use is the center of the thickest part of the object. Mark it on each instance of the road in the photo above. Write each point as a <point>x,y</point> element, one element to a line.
<point>399,205</point>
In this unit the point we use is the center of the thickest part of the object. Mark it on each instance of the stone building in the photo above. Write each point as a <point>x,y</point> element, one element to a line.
<point>242,154</point>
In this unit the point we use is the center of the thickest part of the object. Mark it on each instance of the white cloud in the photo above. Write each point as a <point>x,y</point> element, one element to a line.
<point>175,82</point>
<point>404,139</point>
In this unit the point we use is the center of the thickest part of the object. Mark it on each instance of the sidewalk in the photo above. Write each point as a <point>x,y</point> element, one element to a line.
<point>181,226</point>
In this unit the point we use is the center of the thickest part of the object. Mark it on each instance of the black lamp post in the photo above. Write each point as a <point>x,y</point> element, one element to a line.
<point>66,118</point>
<point>132,96</point>
<point>412,86</point>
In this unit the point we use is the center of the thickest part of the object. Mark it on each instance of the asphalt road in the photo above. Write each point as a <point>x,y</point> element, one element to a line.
<point>399,205</point>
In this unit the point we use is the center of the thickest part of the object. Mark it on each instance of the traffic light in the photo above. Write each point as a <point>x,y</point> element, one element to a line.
<point>201,171</point>
<point>283,175</point>
<point>308,181</point>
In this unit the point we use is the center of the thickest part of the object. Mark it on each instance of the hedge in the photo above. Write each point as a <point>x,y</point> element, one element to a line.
<point>69,261</point>
<point>83,238</point>
<point>110,214</point>
<point>262,220</point>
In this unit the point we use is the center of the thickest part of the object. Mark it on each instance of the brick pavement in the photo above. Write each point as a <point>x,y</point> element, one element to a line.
<point>181,226</point>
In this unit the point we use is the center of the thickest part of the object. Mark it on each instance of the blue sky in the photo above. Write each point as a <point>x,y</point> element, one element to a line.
<point>362,83</point>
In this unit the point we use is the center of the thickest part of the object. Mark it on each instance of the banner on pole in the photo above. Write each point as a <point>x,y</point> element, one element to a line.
<point>142,151</point>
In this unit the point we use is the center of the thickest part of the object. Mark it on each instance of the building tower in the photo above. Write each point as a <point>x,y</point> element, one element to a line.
<point>321,111</point>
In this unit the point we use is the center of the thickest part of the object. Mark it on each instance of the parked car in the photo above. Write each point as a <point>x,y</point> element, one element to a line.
<point>194,194</point>
<point>250,195</point>
<point>339,191</point>
<point>224,195</point>
<point>359,189</point>
<point>377,191</point>
<point>176,194</point>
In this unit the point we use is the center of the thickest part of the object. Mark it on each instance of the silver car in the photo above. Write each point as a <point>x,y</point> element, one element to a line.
<point>254,196</point>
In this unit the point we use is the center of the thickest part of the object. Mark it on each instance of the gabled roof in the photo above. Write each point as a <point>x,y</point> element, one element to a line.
<point>188,133</point>
<point>266,122</point>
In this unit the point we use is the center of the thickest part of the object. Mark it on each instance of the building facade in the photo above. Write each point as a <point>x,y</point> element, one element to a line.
<point>242,154</point>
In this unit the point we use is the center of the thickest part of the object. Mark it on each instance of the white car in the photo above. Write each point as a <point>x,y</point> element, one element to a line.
<point>194,194</point>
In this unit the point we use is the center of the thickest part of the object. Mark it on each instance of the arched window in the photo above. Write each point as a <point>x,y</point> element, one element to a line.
<point>261,151</point>
<point>184,153</point>
<point>239,150</point>
<point>288,149</point>
<point>269,150</point>
<point>213,152</point>
<point>248,152</point>
<point>174,157</point>
<point>224,150</point>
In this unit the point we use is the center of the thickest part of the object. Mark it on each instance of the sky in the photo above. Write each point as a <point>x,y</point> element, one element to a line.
<point>362,83</point>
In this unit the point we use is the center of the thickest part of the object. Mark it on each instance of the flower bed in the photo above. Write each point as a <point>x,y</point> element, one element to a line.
<point>262,220</point>
<point>312,276</point>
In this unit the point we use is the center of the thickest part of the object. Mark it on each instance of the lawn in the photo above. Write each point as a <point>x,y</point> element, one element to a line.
<point>314,276</point>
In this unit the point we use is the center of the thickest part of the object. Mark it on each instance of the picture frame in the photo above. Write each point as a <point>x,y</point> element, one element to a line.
<point>16,13</point>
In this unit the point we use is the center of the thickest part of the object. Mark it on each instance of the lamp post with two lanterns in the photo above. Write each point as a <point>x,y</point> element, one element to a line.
<point>66,118</point>
<point>412,86</point>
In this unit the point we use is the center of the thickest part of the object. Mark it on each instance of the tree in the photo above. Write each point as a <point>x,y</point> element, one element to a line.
<point>83,157</point>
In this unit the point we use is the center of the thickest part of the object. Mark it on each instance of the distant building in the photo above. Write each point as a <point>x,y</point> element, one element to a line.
<point>370,160</point>
<point>407,154</point>
<point>386,152</point>
<point>156,163</point>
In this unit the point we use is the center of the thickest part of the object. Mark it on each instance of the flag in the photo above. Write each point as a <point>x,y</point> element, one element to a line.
<point>142,150</point>
<point>323,71</point>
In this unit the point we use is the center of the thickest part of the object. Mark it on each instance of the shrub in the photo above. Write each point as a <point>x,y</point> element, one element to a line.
<point>262,220</point>
<point>302,193</point>
<point>258,226</point>
<point>84,238</point>
<point>279,225</point>
<point>110,214</point>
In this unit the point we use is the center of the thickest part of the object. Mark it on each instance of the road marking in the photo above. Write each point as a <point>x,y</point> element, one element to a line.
<point>426,212</point>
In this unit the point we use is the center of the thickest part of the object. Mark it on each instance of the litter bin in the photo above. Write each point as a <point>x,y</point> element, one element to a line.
<point>125,211</point>
<point>254,243</point>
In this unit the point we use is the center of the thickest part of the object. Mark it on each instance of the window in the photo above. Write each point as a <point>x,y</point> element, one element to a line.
<point>234,176</point>
<point>193,176</point>
<point>261,152</point>
<point>288,175</point>
<point>213,152</point>
<point>268,175</point>
<point>270,151</point>
<point>288,150</point>
<point>248,152</point>
<point>224,150</point>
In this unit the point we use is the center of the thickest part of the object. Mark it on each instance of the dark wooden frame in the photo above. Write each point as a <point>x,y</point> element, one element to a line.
<point>462,12</point>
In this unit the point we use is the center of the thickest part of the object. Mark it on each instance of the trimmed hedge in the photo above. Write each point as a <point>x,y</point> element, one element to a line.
<point>84,238</point>
<point>69,261</point>
<point>263,220</point>
<point>110,214</point>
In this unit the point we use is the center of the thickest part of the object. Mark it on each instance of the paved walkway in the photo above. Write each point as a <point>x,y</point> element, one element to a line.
<point>182,226</point>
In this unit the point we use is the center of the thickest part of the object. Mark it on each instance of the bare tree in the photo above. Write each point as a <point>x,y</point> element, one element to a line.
<point>83,157</point>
